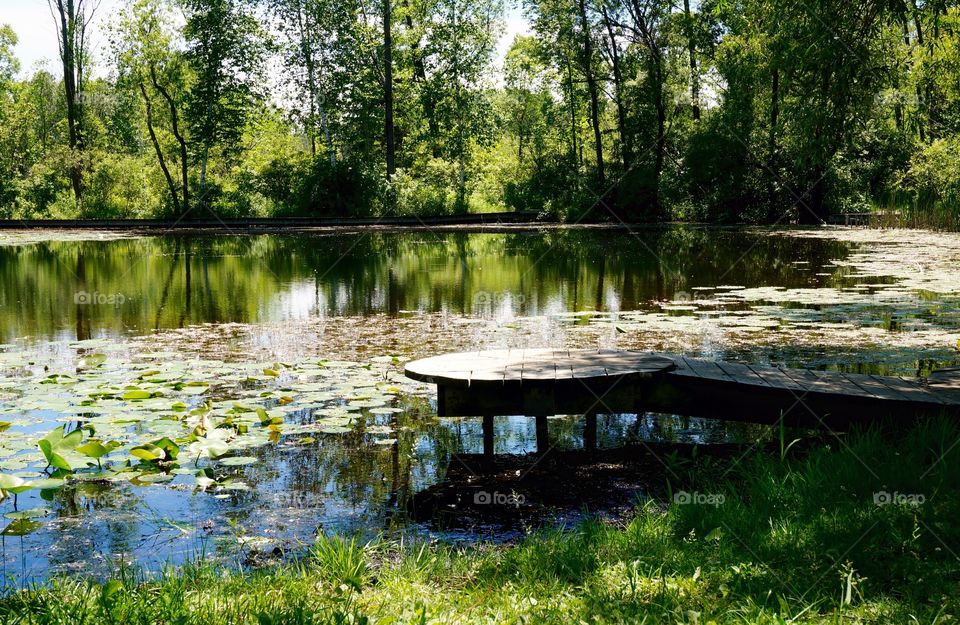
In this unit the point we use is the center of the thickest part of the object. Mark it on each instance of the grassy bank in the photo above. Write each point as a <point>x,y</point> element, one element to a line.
<point>860,529</point>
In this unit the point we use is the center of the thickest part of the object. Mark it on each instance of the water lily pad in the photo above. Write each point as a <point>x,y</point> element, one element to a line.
<point>155,478</point>
<point>21,527</point>
<point>32,513</point>
<point>136,395</point>
<point>237,461</point>
<point>47,484</point>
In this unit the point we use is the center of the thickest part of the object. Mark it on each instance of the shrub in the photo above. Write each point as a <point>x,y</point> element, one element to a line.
<point>118,186</point>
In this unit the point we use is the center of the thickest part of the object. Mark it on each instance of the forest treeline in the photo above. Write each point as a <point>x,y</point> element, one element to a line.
<point>639,110</point>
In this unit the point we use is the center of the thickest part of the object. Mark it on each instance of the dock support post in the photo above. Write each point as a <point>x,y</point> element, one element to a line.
<point>441,401</point>
<point>543,435</point>
<point>488,436</point>
<point>590,431</point>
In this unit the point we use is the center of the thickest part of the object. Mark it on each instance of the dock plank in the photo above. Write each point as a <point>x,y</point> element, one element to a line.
<point>911,389</point>
<point>874,388</point>
<point>707,369</point>
<point>777,378</point>
<point>742,374</point>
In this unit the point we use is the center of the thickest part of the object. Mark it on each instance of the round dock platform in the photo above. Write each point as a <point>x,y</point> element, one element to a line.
<point>524,367</point>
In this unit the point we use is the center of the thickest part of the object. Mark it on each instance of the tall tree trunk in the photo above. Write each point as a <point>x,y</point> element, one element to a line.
<point>661,128</point>
<point>573,115</point>
<point>316,100</point>
<point>420,75</point>
<point>327,135</point>
<point>898,104</point>
<point>922,104</point>
<point>645,27</point>
<point>156,146</point>
<point>461,162</point>
<point>626,147</point>
<point>692,51</point>
<point>306,48</point>
<point>772,143</point>
<point>419,69</point>
<point>72,23</point>
<point>388,131</point>
<point>592,89</point>
<point>175,127</point>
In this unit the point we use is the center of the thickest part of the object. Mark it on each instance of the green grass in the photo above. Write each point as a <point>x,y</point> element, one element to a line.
<point>798,538</point>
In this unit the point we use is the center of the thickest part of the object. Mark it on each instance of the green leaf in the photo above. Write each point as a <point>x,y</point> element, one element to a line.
<point>21,527</point>
<point>96,449</point>
<point>238,461</point>
<point>155,478</point>
<point>10,482</point>
<point>136,395</point>
<point>148,452</point>
<point>171,449</point>
<point>109,591</point>
<point>47,484</point>
<point>54,444</point>
<point>32,513</point>
<point>161,449</point>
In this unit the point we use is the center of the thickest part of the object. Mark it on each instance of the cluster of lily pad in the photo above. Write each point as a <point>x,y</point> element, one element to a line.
<point>109,419</point>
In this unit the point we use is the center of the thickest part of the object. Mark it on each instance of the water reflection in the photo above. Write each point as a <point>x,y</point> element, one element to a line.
<point>79,290</point>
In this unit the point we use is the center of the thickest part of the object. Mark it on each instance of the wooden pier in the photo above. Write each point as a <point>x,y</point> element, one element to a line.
<point>543,382</point>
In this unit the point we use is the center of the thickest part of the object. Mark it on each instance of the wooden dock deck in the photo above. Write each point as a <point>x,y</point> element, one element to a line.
<point>543,382</point>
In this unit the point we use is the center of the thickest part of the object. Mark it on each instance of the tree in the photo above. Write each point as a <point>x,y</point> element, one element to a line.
<point>311,29</point>
<point>389,140</point>
<point>9,65</point>
<point>226,49</point>
<point>148,63</point>
<point>527,85</point>
<point>458,55</point>
<point>645,26</point>
<point>73,18</point>
<point>587,67</point>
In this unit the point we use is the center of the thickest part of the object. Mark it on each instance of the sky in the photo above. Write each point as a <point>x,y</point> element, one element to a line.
<point>34,25</point>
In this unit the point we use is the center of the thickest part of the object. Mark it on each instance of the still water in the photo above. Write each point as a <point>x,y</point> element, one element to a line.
<point>274,365</point>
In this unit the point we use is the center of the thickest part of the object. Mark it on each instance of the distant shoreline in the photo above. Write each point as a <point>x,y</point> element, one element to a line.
<point>268,224</point>
<point>475,222</point>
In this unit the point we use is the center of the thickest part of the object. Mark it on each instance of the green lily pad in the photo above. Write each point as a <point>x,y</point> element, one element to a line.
<point>32,513</point>
<point>237,461</point>
<point>21,527</point>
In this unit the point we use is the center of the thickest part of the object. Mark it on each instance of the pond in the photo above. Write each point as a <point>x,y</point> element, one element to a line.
<point>168,398</point>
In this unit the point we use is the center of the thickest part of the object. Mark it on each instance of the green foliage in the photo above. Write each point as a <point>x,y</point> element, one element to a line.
<point>226,50</point>
<point>341,561</point>
<point>119,186</point>
<point>933,177</point>
<point>753,111</point>
<point>57,443</point>
<point>9,65</point>
<point>427,188</point>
